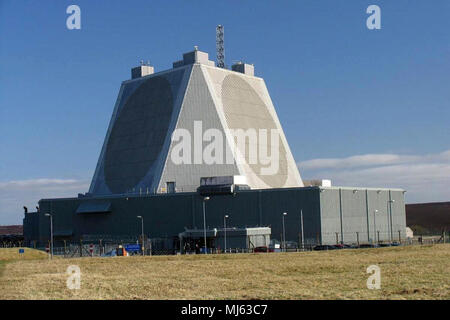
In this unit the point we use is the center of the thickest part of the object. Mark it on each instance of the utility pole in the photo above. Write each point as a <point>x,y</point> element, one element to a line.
<point>390,218</point>
<point>284,232</point>
<point>225,231</point>
<point>374,226</point>
<point>303,238</point>
<point>142,234</point>
<point>51,233</point>
<point>204,222</point>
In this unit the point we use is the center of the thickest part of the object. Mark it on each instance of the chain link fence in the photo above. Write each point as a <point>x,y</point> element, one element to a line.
<point>107,246</point>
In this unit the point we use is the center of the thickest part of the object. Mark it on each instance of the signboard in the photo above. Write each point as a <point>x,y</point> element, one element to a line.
<point>133,247</point>
<point>21,251</point>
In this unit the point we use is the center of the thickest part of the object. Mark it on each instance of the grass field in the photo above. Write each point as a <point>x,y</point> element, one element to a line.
<point>415,272</point>
<point>12,254</point>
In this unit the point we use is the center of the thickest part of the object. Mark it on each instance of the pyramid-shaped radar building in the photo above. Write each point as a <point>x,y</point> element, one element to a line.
<point>169,129</point>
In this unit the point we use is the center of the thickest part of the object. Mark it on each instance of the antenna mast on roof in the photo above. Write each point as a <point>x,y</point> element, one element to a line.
<point>220,47</point>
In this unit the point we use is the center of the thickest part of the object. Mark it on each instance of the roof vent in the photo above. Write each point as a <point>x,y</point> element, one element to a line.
<point>244,68</point>
<point>143,70</point>
<point>195,56</point>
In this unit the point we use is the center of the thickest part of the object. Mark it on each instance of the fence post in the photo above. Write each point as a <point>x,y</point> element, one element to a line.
<point>399,236</point>
<point>378,236</point>
<point>91,249</point>
<point>81,247</point>
<point>357,237</point>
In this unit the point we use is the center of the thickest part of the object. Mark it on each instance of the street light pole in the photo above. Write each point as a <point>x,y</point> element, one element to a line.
<point>303,238</point>
<point>284,232</point>
<point>204,222</point>
<point>142,234</point>
<point>225,231</point>
<point>390,218</point>
<point>51,233</point>
<point>374,226</point>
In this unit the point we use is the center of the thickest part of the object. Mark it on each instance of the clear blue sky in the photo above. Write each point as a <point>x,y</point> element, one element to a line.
<point>340,89</point>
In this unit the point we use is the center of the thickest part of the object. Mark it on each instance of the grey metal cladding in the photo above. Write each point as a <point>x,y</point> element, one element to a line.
<point>330,215</point>
<point>198,105</point>
<point>169,214</point>
<point>137,134</point>
<point>365,215</point>
<point>354,215</point>
<point>244,109</point>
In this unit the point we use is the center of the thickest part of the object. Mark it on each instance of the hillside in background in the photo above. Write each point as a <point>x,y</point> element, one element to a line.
<point>428,218</point>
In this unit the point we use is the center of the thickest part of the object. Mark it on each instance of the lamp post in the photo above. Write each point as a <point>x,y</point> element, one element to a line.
<point>303,238</point>
<point>204,222</point>
<point>390,219</point>
<point>374,225</point>
<point>225,231</point>
<point>51,233</point>
<point>142,233</point>
<point>284,232</point>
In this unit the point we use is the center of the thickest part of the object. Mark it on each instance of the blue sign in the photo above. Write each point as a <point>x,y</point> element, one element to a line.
<point>21,250</point>
<point>133,247</point>
<point>202,250</point>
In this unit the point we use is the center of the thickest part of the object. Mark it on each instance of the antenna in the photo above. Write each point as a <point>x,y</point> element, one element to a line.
<point>220,47</point>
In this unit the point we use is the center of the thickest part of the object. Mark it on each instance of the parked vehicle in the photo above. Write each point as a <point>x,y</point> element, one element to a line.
<point>324,247</point>
<point>119,251</point>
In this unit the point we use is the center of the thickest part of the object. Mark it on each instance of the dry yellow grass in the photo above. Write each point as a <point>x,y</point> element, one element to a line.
<point>11,254</point>
<point>419,272</point>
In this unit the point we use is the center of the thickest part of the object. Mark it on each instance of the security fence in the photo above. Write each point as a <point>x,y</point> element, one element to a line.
<point>107,246</point>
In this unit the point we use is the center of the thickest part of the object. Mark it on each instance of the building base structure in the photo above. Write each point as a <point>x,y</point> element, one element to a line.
<point>326,215</point>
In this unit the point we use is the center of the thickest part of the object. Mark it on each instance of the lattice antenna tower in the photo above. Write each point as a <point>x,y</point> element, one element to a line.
<point>220,47</point>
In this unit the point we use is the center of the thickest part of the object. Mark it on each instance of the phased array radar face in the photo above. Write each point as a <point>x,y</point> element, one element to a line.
<point>138,134</point>
<point>244,109</point>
